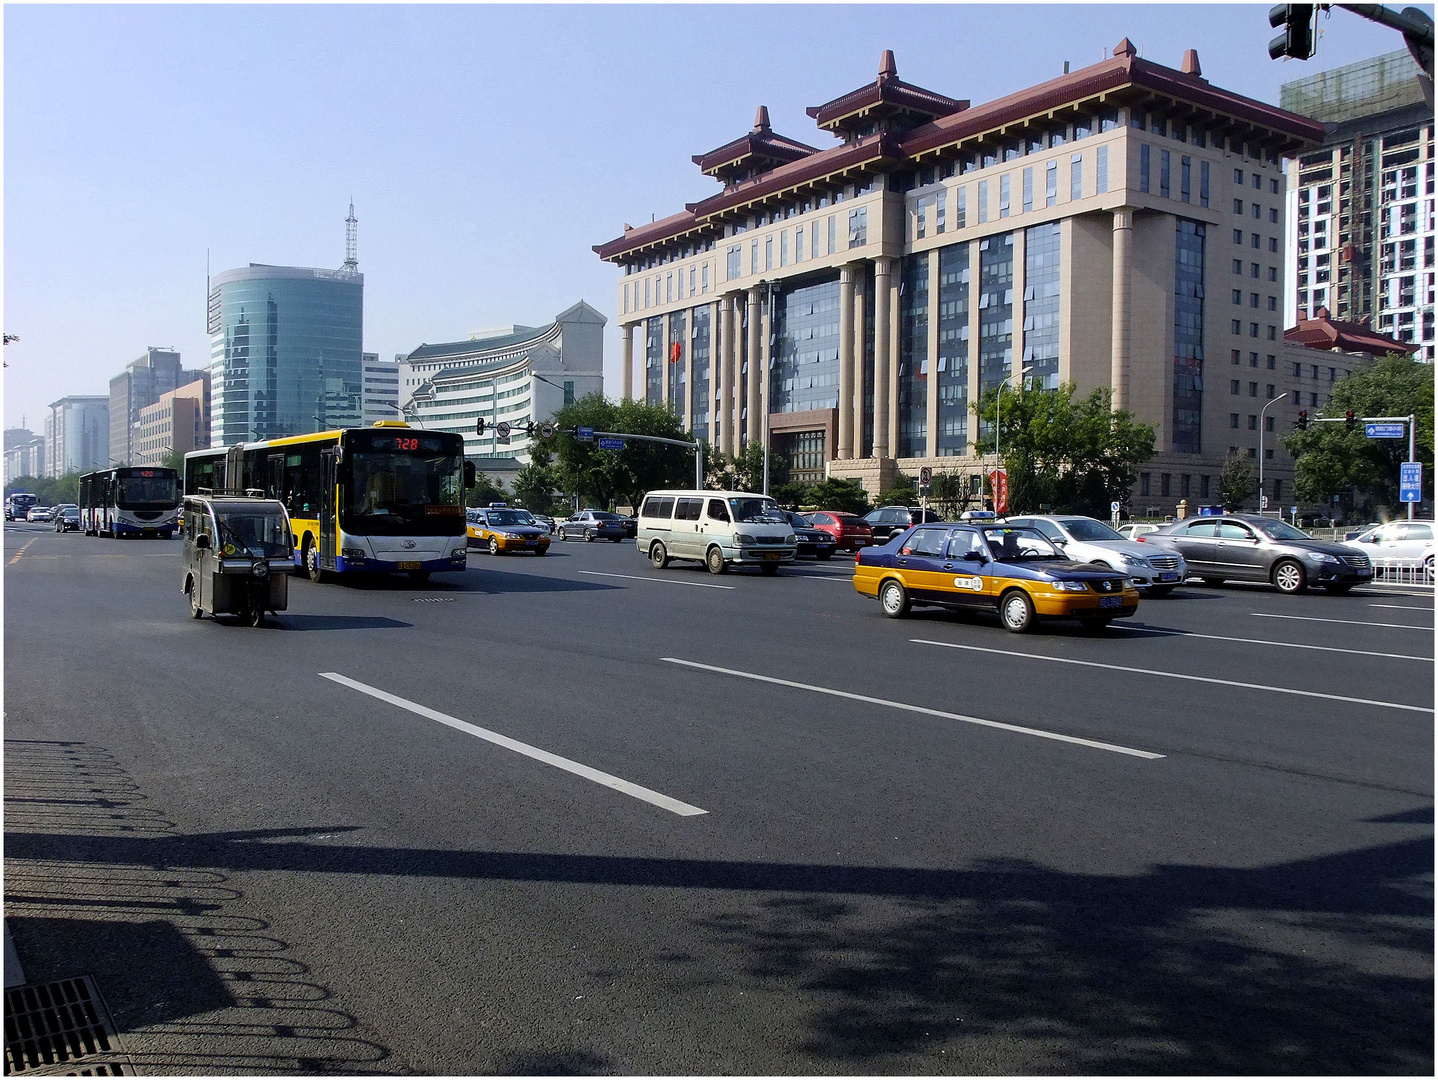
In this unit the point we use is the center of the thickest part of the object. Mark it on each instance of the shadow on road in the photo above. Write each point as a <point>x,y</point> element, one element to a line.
<point>487,581</point>
<point>1321,965</point>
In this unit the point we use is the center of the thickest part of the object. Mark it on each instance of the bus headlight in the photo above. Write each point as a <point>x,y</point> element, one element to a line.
<point>260,569</point>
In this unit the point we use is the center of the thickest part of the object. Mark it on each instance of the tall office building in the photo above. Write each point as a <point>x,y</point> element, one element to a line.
<point>1361,205</point>
<point>511,375</point>
<point>381,389</point>
<point>178,423</point>
<point>285,351</point>
<point>139,386</point>
<point>24,453</point>
<point>77,435</point>
<point>1118,227</point>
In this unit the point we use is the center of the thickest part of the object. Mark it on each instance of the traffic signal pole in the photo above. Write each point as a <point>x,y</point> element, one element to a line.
<point>1352,421</point>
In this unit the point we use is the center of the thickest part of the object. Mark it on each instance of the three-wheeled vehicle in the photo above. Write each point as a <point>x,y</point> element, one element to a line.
<point>238,556</point>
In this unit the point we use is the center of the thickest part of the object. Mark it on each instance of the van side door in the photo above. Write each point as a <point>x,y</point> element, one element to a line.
<point>686,539</point>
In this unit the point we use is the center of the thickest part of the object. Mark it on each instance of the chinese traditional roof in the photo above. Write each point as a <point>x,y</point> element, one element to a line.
<point>887,98</point>
<point>761,149</point>
<point>1323,332</point>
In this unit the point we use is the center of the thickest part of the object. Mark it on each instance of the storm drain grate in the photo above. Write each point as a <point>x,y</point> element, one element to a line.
<point>60,1029</point>
<point>434,599</point>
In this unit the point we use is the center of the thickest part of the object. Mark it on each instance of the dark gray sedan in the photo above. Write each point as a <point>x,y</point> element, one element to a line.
<point>593,525</point>
<point>1243,547</point>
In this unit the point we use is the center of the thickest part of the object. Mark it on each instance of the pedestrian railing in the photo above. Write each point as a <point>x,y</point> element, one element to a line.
<point>1403,571</point>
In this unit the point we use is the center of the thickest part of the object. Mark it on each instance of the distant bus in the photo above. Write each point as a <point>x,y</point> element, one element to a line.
<point>382,499</point>
<point>130,501</point>
<point>17,506</point>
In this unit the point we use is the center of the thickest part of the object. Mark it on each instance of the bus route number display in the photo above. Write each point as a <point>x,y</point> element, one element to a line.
<point>401,443</point>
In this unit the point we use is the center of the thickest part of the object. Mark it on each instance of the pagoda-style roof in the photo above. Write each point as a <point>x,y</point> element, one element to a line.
<point>887,103</point>
<point>1324,332</point>
<point>749,155</point>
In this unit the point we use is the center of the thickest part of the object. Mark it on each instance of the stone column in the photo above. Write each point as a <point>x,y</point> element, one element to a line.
<point>1122,293</point>
<point>846,362</point>
<point>882,268</point>
<point>722,433</point>
<point>859,320</point>
<point>628,374</point>
<point>751,426</point>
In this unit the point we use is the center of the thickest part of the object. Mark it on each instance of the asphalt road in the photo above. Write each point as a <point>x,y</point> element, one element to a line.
<point>479,848</point>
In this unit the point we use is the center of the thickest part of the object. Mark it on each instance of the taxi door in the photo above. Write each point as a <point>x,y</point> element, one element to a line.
<point>921,563</point>
<point>965,560</point>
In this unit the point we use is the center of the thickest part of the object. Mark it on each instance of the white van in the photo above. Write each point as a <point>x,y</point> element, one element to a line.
<point>716,528</point>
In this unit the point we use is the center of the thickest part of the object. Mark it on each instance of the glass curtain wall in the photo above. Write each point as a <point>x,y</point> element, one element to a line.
<point>678,358</point>
<point>699,355</point>
<point>1188,338</point>
<point>996,310</point>
<point>913,388</point>
<point>953,362</point>
<point>866,436</point>
<point>804,370</point>
<point>654,360</point>
<point>1041,305</point>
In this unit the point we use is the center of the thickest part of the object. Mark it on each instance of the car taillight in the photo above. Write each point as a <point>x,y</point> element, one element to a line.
<point>1140,539</point>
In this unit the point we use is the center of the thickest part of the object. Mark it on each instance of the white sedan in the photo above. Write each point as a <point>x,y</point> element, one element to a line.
<point>1086,539</point>
<point>1398,543</point>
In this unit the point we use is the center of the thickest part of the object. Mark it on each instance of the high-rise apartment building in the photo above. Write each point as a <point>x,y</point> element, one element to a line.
<point>381,389</point>
<point>1118,227</point>
<point>77,435</point>
<point>285,347</point>
<point>1361,206</point>
<point>24,453</point>
<point>139,386</point>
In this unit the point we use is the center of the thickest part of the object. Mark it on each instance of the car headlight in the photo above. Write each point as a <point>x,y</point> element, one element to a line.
<point>743,538</point>
<point>789,539</point>
<point>1071,586</point>
<point>1322,557</point>
<point>457,553</point>
<point>511,536</point>
<point>1134,560</point>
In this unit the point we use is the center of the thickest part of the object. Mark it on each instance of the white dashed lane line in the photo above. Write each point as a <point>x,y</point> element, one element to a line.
<point>1260,641</point>
<point>658,580</point>
<point>1341,622</point>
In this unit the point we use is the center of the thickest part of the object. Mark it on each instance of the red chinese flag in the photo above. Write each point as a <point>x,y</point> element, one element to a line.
<point>676,352</point>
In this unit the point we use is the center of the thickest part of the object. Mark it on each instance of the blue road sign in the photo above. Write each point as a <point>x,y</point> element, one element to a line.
<point>1385,431</point>
<point>1410,482</point>
<point>584,434</point>
<point>611,444</point>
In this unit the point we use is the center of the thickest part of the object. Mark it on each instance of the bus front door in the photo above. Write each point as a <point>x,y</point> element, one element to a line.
<point>328,508</point>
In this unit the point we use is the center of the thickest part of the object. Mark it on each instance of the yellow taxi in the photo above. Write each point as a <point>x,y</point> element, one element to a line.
<point>500,530</point>
<point>1014,571</point>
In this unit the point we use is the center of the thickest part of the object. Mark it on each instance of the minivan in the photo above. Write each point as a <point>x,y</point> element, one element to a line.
<point>717,528</point>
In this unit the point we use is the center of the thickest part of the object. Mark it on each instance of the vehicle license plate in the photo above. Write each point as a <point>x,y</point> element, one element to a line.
<point>1110,601</point>
<point>860,543</point>
<point>771,556</point>
<point>530,543</point>
<point>1168,576</point>
<point>1365,573</point>
<point>409,566</point>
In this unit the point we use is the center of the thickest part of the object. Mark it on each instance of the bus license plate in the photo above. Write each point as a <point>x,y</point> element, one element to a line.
<point>1110,601</point>
<point>409,566</point>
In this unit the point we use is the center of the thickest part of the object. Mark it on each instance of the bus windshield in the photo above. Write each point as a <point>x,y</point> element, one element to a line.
<point>417,493</point>
<point>148,489</point>
<point>244,532</point>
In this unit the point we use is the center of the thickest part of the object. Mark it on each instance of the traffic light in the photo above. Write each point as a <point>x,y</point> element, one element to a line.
<point>479,426</point>
<point>1350,422</point>
<point>1297,39</point>
<point>529,428</point>
<point>1302,419</point>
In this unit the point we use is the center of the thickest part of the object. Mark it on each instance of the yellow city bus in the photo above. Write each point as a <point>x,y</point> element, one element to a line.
<point>383,499</point>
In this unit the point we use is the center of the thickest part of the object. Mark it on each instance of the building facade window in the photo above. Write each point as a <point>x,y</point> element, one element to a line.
<point>1143,167</point>
<point>1185,179</point>
<point>1004,195</point>
<point>678,360</point>
<point>732,263</point>
<point>804,370</point>
<point>996,310</point>
<point>859,227</point>
<point>1041,305</point>
<point>1028,190</point>
<point>1101,171</point>
<point>654,360</point>
<point>1165,169</point>
<point>983,201</point>
<point>1203,192</point>
<point>953,360</point>
<point>961,207</point>
<point>1188,337</point>
<point>700,351</point>
<point>1076,178</point>
<point>1051,184</point>
<point>912,436</point>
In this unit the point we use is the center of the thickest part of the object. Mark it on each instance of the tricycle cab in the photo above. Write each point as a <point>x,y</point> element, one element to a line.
<point>238,553</point>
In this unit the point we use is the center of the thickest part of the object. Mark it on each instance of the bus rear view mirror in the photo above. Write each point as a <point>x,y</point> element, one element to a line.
<point>202,542</point>
<point>470,478</point>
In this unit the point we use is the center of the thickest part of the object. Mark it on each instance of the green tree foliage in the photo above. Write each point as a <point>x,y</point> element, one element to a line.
<point>484,492</point>
<point>534,484</point>
<point>175,459</point>
<point>903,491</point>
<point>1075,455</point>
<point>745,471</point>
<point>1331,460</point>
<point>50,490</point>
<point>608,477</point>
<point>847,496</point>
<point>1237,483</point>
<point>951,492</point>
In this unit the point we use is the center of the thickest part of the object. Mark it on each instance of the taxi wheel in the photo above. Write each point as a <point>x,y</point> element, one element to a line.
<point>194,590</point>
<point>1017,612</point>
<point>1094,622</point>
<point>493,546</point>
<point>658,556</point>
<point>714,560</point>
<point>894,599</point>
<point>1289,577</point>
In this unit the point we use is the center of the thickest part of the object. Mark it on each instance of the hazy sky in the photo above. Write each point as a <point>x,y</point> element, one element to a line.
<point>487,148</point>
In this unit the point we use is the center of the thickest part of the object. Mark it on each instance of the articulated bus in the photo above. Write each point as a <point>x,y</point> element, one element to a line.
<point>384,499</point>
<point>130,501</point>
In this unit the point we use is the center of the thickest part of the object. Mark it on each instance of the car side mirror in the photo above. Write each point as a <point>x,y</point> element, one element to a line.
<point>202,542</point>
<point>974,556</point>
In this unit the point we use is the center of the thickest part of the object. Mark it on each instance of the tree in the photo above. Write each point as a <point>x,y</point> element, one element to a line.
<point>952,491</point>
<point>1330,459</point>
<point>847,496</point>
<point>902,492</point>
<point>1237,483</point>
<point>175,459</point>
<point>607,477</point>
<point>534,484</point>
<point>1074,455</point>
<point>484,492</point>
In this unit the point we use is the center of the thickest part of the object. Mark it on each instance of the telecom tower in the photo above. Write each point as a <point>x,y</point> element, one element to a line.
<point>351,265</point>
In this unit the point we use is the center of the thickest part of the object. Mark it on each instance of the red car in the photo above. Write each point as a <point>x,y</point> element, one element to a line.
<point>849,531</point>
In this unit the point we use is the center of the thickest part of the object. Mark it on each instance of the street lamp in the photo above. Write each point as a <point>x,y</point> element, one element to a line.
<point>1262,495</point>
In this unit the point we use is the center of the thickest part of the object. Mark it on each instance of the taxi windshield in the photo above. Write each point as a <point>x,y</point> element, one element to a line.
<point>757,511</point>
<point>509,517</point>
<point>1007,542</point>
<point>244,532</point>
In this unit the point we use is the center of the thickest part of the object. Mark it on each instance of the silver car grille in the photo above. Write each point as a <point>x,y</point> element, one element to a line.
<point>1163,562</point>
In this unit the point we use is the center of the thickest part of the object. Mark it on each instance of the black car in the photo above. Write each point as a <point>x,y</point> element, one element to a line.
<point>67,519</point>
<point>1245,547</point>
<point>809,541</point>
<point>888,520</point>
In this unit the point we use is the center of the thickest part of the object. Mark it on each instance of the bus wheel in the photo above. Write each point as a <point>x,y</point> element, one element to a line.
<point>312,561</point>
<point>419,576</point>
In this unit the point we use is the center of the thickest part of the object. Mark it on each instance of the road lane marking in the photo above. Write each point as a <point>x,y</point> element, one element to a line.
<point>917,709</point>
<point>1402,607</point>
<point>660,580</point>
<point>23,546</point>
<point>1261,641</point>
<point>644,794</point>
<point>1344,622</point>
<point>1176,675</point>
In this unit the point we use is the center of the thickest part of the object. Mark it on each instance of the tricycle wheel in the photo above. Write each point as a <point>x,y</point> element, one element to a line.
<point>195,611</point>
<point>254,616</point>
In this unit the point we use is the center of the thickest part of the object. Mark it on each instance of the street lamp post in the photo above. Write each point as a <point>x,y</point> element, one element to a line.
<point>1262,495</point>
<point>998,426</point>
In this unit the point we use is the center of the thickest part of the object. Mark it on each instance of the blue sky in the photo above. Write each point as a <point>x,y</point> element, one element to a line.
<point>487,148</point>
